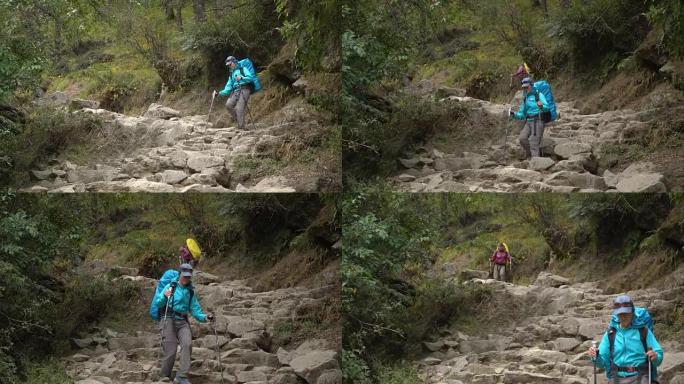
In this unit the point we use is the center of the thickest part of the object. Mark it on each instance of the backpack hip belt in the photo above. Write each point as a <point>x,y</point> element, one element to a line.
<point>642,369</point>
<point>173,314</point>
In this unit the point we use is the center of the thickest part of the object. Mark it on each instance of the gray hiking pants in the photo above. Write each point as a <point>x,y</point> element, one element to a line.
<point>638,379</point>
<point>500,272</point>
<point>531,137</point>
<point>175,332</point>
<point>237,104</point>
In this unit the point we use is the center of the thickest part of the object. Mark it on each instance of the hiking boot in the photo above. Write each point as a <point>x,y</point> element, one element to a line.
<point>180,380</point>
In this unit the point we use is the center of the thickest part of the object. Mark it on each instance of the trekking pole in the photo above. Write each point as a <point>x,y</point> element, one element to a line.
<point>506,124</point>
<point>218,351</point>
<point>213,96</point>
<point>593,345</point>
<point>649,367</point>
<point>163,328</point>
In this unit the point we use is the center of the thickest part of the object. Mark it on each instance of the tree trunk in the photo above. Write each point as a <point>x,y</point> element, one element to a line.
<point>168,9</point>
<point>545,5</point>
<point>179,14</point>
<point>198,7</point>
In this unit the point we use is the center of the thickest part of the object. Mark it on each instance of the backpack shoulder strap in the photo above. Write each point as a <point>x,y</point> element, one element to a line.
<point>643,331</point>
<point>611,342</point>
<point>192,294</point>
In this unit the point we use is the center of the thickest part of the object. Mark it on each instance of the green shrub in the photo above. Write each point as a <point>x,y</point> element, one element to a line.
<point>402,373</point>
<point>374,144</point>
<point>669,16</point>
<point>48,372</point>
<point>594,29</point>
<point>21,58</point>
<point>355,370</point>
<point>88,299</point>
<point>482,84</point>
<point>246,32</point>
<point>45,134</point>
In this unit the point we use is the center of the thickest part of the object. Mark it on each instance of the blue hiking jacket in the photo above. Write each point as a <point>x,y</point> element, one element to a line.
<point>246,75</point>
<point>629,352</point>
<point>181,303</point>
<point>528,108</point>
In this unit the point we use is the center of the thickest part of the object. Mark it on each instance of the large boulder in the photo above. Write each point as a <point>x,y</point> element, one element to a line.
<point>642,182</point>
<point>169,132</point>
<point>178,158</point>
<point>546,279</point>
<point>275,184</point>
<point>201,277</point>
<point>241,327</point>
<point>161,112</point>
<point>540,163</point>
<point>171,176</point>
<point>515,175</point>
<point>138,185</point>
<point>312,365</point>
<point>570,148</point>
<point>198,161</point>
<point>580,180</point>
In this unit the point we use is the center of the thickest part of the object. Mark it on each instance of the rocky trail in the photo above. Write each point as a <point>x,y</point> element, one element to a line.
<point>169,152</point>
<point>572,147</point>
<point>245,323</point>
<point>549,345</point>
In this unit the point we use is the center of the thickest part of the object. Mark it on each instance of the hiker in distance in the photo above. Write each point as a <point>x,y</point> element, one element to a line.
<point>190,253</point>
<point>500,258</point>
<point>629,352</point>
<point>175,302</point>
<point>242,83</point>
<point>533,110</point>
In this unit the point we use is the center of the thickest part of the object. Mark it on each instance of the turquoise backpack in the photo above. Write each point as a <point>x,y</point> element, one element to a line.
<point>543,86</point>
<point>247,63</point>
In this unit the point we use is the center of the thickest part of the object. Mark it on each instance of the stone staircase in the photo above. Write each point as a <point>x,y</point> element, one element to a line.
<point>245,323</point>
<point>572,147</point>
<point>548,346</point>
